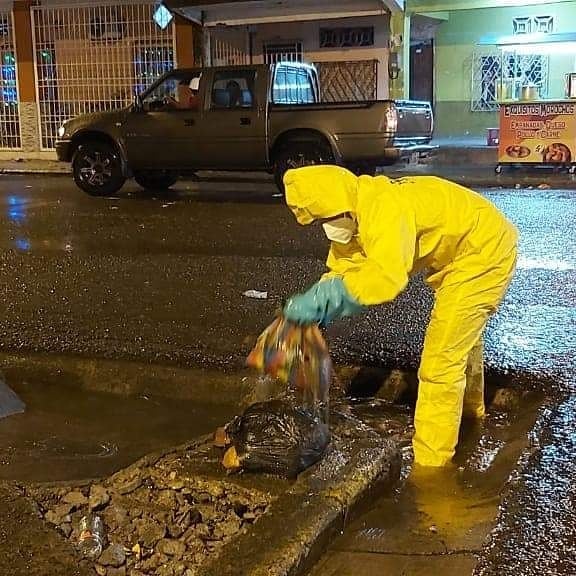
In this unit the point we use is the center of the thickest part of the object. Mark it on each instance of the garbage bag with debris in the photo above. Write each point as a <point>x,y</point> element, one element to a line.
<point>298,356</point>
<point>275,437</point>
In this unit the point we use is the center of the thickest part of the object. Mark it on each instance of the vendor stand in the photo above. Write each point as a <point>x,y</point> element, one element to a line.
<point>538,133</point>
<point>537,123</point>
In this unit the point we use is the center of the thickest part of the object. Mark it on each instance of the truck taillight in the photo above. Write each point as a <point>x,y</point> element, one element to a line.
<point>390,121</point>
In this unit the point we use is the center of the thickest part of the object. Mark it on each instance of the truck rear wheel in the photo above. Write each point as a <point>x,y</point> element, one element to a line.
<point>97,169</point>
<point>299,154</point>
<point>156,179</point>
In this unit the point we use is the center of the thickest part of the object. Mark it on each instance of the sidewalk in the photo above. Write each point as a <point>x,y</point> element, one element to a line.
<point>471,169</point>
<point>33,167</point>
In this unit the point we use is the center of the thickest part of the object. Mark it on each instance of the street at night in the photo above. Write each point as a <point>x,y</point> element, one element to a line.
<point>160,279</point>
<point>288,288</point>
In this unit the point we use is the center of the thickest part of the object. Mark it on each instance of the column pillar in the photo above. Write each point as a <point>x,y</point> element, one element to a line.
<point>400,45</point>
<point>23,39</point>
<point>184,30</point>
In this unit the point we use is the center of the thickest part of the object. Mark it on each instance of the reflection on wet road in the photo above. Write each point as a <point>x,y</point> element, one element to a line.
<point>162,279</point>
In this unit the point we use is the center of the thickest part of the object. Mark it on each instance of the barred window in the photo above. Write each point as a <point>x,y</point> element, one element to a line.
<point>346,37</point>
<point>284,52</point>
<point>509,70</point>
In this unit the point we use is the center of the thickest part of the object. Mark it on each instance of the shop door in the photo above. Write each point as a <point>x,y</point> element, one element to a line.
<point>422,71</point>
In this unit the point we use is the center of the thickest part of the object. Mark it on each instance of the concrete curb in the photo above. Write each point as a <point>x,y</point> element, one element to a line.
<point>487,179</point>
<point>298,526</point>
<point>132,378</point>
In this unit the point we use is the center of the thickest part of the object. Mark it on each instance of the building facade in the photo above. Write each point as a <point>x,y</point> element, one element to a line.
<point>349,41</point>
<point>472,55</point>
<point>61,59</point>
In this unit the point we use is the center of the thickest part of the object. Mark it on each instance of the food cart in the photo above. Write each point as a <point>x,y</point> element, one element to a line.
<point>537,123</point>
<point>541,133</point>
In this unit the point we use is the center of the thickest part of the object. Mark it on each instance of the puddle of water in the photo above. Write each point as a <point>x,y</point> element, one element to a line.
<point>68,433</point>
<point>435,512</point>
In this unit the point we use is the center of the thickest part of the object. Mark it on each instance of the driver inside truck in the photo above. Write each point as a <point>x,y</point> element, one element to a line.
<point>187,97</point>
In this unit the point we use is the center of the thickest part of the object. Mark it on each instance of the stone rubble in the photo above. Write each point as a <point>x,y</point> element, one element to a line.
<point>157,521</point>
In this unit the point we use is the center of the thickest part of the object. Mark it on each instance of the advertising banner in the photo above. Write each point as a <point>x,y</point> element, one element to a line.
<point>538,132</point>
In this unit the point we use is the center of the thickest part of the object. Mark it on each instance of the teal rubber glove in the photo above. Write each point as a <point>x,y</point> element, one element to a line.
<point>325,301</point>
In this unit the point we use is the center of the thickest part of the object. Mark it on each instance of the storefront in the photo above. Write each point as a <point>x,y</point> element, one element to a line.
<point>536,91</point>
<point>484,53</point>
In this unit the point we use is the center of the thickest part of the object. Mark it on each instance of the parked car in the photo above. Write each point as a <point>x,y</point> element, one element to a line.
<point>262,117</point>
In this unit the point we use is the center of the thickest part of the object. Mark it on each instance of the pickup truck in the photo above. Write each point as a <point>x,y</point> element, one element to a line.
<point>238,118</point>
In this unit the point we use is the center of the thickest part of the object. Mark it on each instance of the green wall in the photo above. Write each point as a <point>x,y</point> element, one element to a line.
<point>455,43</point>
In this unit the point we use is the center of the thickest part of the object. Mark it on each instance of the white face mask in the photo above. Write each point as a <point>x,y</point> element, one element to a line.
<point>340,230</point>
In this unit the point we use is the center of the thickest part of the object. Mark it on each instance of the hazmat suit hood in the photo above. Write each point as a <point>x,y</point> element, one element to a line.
<point>319,192</point>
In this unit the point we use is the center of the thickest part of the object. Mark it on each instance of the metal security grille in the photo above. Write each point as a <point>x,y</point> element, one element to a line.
<point>229,47</point>
<point>486,76</point>
<point>347,37</point>
<point>498,75</point>
<point>90,58</point>
<point>9,112</point>
<point>284,52</point>
<point>348,81</point>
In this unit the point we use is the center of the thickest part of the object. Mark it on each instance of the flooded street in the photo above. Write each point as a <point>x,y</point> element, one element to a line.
<point>161,280</point>
<point>68,433</point>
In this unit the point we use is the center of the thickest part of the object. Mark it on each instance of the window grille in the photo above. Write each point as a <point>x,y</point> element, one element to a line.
<point>9,110</point>
<point>229,48</point>
<point>508,72</point>
<point>544,24</point>
<point>284,52</point>
<point>346,37</point>
<point>95,57</point>
<point>535,24</point>
<point>348,81</point>
<point>522,25</point>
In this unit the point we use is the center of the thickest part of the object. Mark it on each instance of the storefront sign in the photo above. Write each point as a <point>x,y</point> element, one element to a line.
<point>543,132</point>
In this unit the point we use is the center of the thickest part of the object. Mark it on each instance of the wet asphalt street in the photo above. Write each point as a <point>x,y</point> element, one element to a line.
<point>162,279</point>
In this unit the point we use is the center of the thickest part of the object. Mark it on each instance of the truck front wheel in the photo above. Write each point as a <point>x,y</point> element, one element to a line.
<point>97,169</point>
<point>299,154</point>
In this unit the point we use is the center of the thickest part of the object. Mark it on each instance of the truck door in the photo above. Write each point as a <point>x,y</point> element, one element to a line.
<point>163,133</point>
<point>234,124</point>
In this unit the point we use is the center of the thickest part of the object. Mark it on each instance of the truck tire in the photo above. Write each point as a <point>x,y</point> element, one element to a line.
<point>299,154</point>
<point>156,179</point>
<point>97,169</point>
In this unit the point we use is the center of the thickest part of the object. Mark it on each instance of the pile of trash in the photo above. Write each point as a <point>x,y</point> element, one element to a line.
<point>287,435</point>
<point>150,520</point>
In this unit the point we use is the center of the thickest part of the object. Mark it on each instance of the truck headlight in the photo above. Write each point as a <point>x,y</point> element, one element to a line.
<point>62,131</point>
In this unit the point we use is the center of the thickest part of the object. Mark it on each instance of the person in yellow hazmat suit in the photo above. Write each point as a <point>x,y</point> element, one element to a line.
<point>382,231</point>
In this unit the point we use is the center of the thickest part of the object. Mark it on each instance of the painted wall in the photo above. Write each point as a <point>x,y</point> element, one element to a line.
<point>309,34</point>
<point>455,42</point>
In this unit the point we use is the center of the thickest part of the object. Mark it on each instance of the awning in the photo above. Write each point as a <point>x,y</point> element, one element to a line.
<point>524,39</point>
<point>249,12</point>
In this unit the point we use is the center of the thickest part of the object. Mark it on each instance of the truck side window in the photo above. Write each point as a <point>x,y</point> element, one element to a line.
<point>177,92</point>
<point>234,89</point>
<point>292,85</point>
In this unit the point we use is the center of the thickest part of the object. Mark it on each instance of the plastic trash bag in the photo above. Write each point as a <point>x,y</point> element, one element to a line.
<point>298,356</point>
<point>284,436</point>
<point>275,437</point>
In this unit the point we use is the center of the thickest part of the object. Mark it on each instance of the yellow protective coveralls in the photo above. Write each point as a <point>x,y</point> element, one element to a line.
<point>463,244</point>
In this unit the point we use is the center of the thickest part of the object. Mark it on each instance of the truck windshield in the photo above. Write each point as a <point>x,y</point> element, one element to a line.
<point>293,84</point>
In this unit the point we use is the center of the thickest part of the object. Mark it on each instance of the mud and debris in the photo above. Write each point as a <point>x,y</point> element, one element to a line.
<point>157,519</point>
